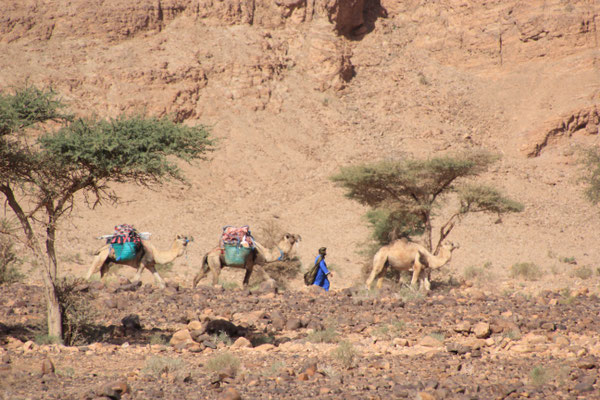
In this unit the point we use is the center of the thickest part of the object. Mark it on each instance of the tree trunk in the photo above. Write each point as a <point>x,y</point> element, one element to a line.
<point>50,240</point>
<point>53,307</point>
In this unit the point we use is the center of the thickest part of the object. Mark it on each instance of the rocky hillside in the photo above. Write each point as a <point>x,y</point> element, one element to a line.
<point>294,89</point>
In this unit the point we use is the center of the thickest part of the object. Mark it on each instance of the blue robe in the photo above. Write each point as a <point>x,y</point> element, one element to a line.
<point>321,278</point>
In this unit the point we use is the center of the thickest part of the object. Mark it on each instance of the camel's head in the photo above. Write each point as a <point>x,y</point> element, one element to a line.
<point>292,238</point>
<point>184,240</point>
<point>450,246</point>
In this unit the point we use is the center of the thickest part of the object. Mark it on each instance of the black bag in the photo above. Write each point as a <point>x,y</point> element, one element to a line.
<point>311,274</point>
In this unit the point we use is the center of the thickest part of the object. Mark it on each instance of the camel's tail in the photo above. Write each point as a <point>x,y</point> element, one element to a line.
<point>203,270</point>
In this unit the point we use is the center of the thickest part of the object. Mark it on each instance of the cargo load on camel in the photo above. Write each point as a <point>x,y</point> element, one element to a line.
<point>236,243</point>
<point>126,241</point>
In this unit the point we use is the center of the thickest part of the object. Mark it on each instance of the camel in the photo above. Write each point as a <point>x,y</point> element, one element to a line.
<point>146,258</point>
<point>215,259</point>
<point>404,255</point>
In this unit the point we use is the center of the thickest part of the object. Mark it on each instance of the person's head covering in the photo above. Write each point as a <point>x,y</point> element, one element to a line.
<point>323,250</point>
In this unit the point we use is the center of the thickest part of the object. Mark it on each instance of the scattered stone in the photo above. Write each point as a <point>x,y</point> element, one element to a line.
<point>230,394</point>
<point>179,337</point>
<point>587,363</point>
<point>400,342</point>
<point>110,303</point>
<point>482,330</point>
<point>277,320</point>
<point>425,396</point>
<point>548,326</point>
<point>113,390</point>
<point>463,327</point>
<point>196,326</point>
<point>293,324</point>
<point>457,348</point>
<point>430,341</point>
<point>241,342</point>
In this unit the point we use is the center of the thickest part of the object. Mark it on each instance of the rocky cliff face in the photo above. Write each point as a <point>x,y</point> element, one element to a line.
<point>296,88</point>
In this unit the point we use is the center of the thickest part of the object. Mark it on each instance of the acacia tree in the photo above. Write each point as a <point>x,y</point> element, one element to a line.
<point>47,156</point>
<point>404,195</point>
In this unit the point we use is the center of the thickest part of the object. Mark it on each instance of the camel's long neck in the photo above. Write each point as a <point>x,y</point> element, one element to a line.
<point>165,257</point>
<point>441,259</point>
<point>269,255</point>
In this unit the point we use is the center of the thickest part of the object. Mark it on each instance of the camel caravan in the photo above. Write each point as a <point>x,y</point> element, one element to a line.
<point>239,249</point>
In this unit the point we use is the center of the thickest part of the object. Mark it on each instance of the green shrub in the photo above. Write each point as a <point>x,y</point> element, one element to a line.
<point>158,338</point>
<point>583,272</point>
<point>539,376</point>
<point>527,270</point>
<point>346,354</point>
<point>568,260</point>
<point>222,337</point>
<point>328,335</point>
<point>274,369</point>
<point>222,362</point>
<point>156,366</point>
<point>45,339</point>
<point>391,330</point>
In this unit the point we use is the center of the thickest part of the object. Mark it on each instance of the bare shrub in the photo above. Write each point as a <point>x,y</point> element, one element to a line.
<point>283,271</point>
<point>270,232</point>
<point>346,354</point>
<point>583,272</point>
<point>223,361</point>
<point>527,270</point>
<point>327,335</point>
<point>76,311</point>
<point>157,366</point>
<point>8,256</point>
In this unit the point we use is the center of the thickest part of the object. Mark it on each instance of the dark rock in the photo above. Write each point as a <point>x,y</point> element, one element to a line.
<point>132,322</point>
<point>217,326</point>
<point>548,326</point>
<point>129,287</point>
<point>457,348</point>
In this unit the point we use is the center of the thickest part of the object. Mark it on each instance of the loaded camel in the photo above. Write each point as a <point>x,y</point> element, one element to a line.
<point>404,255</point>
<point>147,257</point>
<point>215,259</point>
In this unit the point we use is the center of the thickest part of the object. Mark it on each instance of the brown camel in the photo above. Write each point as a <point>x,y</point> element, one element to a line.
<point>404,255</point>
<point>215,259</point>
<point>147,257</point>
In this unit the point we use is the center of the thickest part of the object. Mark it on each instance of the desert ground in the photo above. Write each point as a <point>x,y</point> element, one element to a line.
<point>294,90</point>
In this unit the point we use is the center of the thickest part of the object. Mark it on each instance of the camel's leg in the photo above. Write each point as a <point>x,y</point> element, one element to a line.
<point>159,281</point>
<point>215,270</point>
<point>98,262</point>
<point>379,263</point>
<point>417,267</point>
<point>138,273</point>
<point>249,267</point>
<point>247,275</point>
